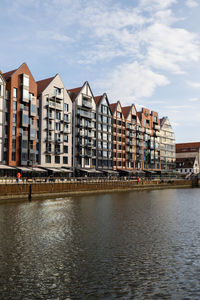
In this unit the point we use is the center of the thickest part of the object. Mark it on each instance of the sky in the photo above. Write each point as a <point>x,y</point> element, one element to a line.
<point>145,52</point>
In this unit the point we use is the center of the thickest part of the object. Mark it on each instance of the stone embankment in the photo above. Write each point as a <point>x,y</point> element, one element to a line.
<point>31,190</point>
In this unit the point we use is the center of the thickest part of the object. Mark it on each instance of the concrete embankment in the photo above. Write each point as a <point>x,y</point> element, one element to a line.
<point>23,191</point>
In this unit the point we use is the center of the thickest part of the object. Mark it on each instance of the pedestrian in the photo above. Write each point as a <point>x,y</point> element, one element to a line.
<point>18,176</point>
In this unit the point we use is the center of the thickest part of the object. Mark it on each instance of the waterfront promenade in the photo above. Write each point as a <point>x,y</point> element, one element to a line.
<point>65,187</point>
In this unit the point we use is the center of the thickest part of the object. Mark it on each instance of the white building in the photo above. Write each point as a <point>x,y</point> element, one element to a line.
<point>84,128</point>
<point>167,145</point>
<point>55,124</point>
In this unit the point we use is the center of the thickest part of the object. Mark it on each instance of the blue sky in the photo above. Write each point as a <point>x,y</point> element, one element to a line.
<point>145,52</point>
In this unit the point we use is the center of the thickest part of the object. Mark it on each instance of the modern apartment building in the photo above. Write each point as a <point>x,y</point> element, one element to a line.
<point>167,145</point>
<point>131,121</point>
<point>84,129</point>
<point>2,115</point>
<point>119,137</point>
<point>104,133</point>
<point>150,127</point>
<point>20,115</point>
<point>55,124</point>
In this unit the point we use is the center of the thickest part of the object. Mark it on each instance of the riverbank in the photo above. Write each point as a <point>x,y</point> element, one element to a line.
<point>29,191</point>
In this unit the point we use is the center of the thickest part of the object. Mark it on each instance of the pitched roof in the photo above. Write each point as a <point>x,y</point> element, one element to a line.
<point>187,147</point>
<point>125,110</point>
<point>97,99</point>
<point>113,106</point>
<point>7,75</point>
<point>74,92</point>
<point>42,84</point>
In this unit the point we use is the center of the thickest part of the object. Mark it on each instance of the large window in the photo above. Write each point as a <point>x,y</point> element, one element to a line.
<point>65,149</point>
<point>58,115</point>
<point>48,159</point>
<point>26,81</point>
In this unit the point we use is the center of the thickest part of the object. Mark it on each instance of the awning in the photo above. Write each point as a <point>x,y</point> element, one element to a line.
<point>5,167</point>
<point>66,170</point>
<point>110,172</point>
<point>39,170</point>
<point>54,170</point>
<point>24,169</point>
<point>150,172</point>
<point>90,171</point>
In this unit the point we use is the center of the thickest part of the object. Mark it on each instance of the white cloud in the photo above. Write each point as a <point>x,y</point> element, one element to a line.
<point>193,84</point>
<point>157,4</point>
<point>193,99</point>
<point>191,3</point>
<point>130,82</point>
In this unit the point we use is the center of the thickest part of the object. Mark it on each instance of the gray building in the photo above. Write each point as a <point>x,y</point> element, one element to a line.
<point>104,133</point>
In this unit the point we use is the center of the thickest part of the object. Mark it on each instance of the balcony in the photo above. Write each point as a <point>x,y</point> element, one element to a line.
<point>156,127</point>
<point>87,103</point>
<point>50,116</point>
<point>84,114</point>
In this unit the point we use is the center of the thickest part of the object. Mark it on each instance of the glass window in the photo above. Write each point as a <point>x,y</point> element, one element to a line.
<point>13,156</point>
<point>14,92</point>
<point>14,118</point>
<point>57,159</point>
<point>14,130</point>
<point>48,159</point>
<point>25,94</point>
<point>57,126</point>
<point>66,117</point>
<point>58,115</point>
<point>66,107</point>
<point>32,133</point>
<point>65,149</point>
<point>14,105</point>
<point>65,160</point>
<point>26,81</point>
<point>65,138</point>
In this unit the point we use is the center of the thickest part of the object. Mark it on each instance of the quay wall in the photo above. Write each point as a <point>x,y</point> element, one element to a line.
<point>19,191</point>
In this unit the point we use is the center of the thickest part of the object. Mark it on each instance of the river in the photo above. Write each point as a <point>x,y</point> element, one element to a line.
<point>136,245</point>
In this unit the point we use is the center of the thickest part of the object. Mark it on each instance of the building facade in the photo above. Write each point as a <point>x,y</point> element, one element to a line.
<point>188,165</point>
<point>131,121</point>
<point>167,145</point>
<point>2,116</point>
<point>149,128</point>
<point>119,137</point>
<point>84,128</point>
<point>21,128</point>
<point>104,133</point>
<point>55,123</point>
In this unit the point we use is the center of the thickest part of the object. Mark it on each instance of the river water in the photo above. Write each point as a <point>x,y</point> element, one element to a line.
<point>137,245</point>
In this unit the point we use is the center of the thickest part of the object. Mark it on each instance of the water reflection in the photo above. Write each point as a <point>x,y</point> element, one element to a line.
<point>139,245</point>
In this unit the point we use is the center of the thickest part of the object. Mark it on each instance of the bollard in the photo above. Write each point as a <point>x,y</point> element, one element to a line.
<point>30,192</point>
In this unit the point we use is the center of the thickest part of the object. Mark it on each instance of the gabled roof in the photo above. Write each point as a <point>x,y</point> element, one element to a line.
<point>7,75</point>
<point>113,106</point>
<point>97,99</point>
<point>74,92</point>
<point>42,84</point>
<point>126,110</point>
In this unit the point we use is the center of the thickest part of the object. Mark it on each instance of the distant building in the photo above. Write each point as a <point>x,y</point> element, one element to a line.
<point>55,123</point>
<point>187,150</point>
<point>187,165</point>
<point>167,145</point>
